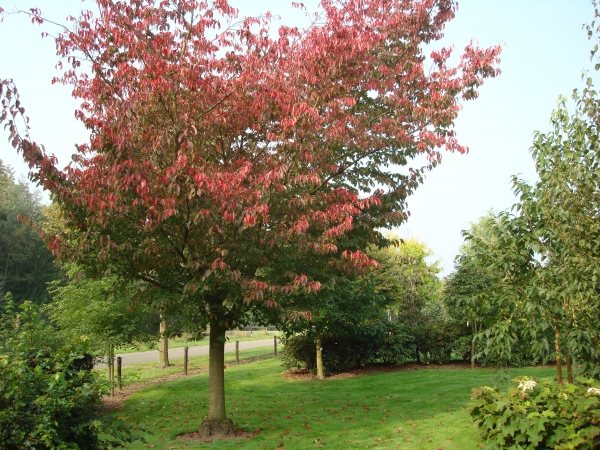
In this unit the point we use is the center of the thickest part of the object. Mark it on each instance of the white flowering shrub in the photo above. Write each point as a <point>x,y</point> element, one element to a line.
<point>539,415</point>
<point>527,385</point>
<point>594,391</point>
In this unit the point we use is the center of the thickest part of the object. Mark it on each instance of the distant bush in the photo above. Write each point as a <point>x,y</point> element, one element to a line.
<point>521,355</point>
<point>396,347</point>
<point>391,344</point>
<point>49,398</point>
<point>538,415</point>
<point>340,353</point>
<point>434,342</point>
<point>434,333</point>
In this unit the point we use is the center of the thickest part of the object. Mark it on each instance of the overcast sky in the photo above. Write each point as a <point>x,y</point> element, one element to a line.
<point>544,53</point>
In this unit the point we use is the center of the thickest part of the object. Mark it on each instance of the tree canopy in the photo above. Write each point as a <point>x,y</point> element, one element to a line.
<point>99,311</point>
<point>405,277</point>
<point>544,254</point>
<point>218,148</point>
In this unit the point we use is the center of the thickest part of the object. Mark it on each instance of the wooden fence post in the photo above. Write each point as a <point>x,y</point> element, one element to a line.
<point>119,365</point>
<point>237,352</point>
<point>275,344</point>
<point>185,360</point>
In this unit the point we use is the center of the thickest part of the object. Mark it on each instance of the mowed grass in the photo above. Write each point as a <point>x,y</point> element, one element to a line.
<point>424,409</point>
<point>179,342</point>
<point>150,371</point>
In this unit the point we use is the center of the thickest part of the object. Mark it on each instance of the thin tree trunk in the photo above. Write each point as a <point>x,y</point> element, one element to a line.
<point>569,368</point>
<point>163,345</point>
<point>320,373</point>
<point>568,351</point>
<point>217,423</point>
<point>559,378</point>
<point>111,369</point>
<point>474,328</point>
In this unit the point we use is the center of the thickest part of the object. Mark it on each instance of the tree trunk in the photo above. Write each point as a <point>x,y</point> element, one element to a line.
<point>474,328</point>
<point>111,369</point>
<point>569,368</point>
<point>559,378</point>
<point>216,424</point>
<point>320,373</point>
<point>163,345</point>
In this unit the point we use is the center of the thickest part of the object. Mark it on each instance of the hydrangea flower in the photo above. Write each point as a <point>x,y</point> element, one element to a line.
<point>594,391</point>
<point>527,385</point>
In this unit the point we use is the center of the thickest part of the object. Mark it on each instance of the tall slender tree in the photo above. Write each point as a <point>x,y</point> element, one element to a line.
<point>469,288</point>
<point>218,148</point>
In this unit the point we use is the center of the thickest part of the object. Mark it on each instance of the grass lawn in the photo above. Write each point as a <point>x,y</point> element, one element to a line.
<point>150,371</point>
<point>182,342</point>
<point>423,409</point>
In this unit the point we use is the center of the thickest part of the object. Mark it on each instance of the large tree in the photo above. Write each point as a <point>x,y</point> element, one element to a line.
<point>218,148</point>
<point>547,249</point>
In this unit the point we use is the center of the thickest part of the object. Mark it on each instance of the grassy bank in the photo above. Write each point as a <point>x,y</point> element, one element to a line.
<point>423,409</point>
<point>149,371</point>
<point>183,341</point>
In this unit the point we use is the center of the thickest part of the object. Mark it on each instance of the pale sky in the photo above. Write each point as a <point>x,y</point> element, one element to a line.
<point>544,53</point>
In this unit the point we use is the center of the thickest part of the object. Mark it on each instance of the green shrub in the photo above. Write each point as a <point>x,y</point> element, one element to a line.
<point>397,345</point>
<point>340,353</point>
<point>537,415</point>
<point>462,347</point>
<point>433,342</point>
<point>46,400</point>
<point>522,354</point>
<point>390,344</point>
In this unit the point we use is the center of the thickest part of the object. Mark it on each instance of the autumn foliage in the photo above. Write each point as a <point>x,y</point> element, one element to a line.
<point>219,146</point>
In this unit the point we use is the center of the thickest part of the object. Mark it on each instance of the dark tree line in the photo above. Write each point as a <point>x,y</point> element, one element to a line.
<point>26,265</point>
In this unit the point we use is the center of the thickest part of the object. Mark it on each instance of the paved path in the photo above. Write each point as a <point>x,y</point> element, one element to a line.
<point>177,353</point>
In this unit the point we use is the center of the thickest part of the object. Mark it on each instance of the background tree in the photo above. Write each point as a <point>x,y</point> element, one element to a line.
<point>558,220</point>
<point>466,291</point>
<point>99,311</point>
<point>547,250</point>
<point>26,265</point>
<point>217,149</point>
<point>344,321</point>
<point>413,288</point>
<point>405,277</point>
